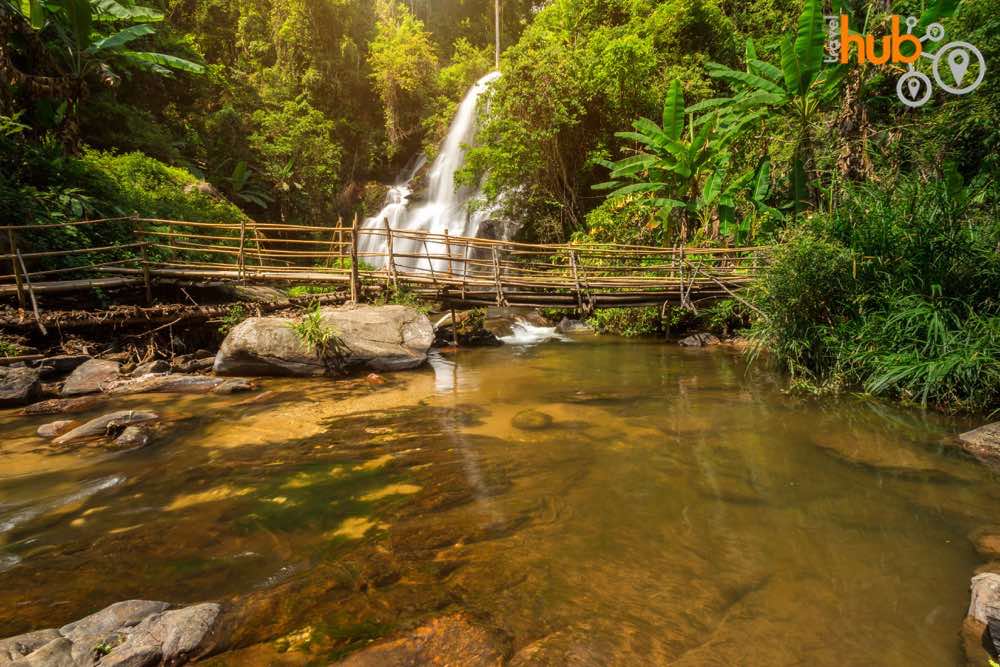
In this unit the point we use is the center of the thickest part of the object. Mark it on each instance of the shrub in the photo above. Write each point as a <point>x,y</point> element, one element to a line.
<point>804,294</point>
<point>627,322</point>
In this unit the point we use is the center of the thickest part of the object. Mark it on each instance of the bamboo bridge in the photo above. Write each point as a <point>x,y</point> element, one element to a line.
<point>456,271</point>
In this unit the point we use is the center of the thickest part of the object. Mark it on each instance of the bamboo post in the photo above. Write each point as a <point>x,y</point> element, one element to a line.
<point>145,273</point>
<point>355,277</point>
<point>391,260</point>
<point>240,261</point>
<point>17,271</point>
<point>31,291</point>
<point>465,269</point>
<point>430,263</point>
<point>454,327</point>
<point>576,280</point>
<point>447,249</point>
<point>340,242</point>
<point>496,277</point>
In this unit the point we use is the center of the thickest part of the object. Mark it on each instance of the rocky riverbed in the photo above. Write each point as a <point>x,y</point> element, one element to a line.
<point>590,501</point>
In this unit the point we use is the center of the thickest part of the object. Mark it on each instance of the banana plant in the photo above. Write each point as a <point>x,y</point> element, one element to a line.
<point>671,171</point>
<point>92,39</point>
<point>797,89</point>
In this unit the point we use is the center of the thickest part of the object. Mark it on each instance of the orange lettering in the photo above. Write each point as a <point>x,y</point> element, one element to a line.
<point>846,39</point>
<point>897,42</point>
<point>886,49</point>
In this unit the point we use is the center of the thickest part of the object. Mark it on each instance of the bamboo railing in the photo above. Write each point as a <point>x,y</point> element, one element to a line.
<point>454,269</point>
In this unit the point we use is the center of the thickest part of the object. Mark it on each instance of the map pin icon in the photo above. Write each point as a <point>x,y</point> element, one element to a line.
<point>958,63</point>
<point>914,86</point>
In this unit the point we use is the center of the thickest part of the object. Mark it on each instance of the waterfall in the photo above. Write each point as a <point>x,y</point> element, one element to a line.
<point>446,207</point>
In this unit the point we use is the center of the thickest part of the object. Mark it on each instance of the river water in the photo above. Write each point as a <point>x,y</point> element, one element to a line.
<point>668,507</point>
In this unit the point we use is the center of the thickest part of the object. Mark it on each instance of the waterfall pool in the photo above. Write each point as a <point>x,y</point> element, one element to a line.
<point>606,501</point>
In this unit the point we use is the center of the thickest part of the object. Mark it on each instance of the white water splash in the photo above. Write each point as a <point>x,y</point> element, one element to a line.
<point>446,208</point>
<point>526,334</point>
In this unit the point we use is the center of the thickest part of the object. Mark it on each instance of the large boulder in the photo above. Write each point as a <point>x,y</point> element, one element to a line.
<point>983,443</point>
<point>18,386</point>
<point>381,338</point>
<point>267,346</point>
<point>90,376</point>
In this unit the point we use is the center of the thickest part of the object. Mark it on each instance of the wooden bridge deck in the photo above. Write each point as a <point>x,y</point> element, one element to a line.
<point>458,271</point>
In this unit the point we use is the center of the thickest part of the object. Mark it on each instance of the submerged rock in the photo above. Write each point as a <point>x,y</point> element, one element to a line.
<point>983,443</point>
<point>568,326</point>
<point>61,406</point>
<point>379,337</point>
<point>699,340</point>
<point>133,437</point>
<point>531,420</point>
<point>987,542</point>
<point>90,376</point>
<point>52,429</point>
<point>19,386</point>
<point>235,386</point>
<point>105,425</point>
<point>451,641</point>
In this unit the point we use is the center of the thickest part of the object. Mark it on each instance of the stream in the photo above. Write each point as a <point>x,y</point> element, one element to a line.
<point>604,501</point>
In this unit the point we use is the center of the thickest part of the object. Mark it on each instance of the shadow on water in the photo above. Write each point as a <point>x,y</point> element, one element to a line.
<point>659,506</point>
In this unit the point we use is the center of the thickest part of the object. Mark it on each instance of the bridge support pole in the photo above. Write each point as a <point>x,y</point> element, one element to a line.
<point>501,301</point>
<point>12,242</point>
<point>390,257</point>
<point>355,275</point>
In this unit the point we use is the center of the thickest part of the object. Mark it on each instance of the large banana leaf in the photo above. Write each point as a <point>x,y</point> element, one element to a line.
<point>164,60</point>
<point>746,78</point>
<point>790,68</point>
<point>122,37</point>
<point>673,111</point>
<point>809,43</point>
<point>110,10</point>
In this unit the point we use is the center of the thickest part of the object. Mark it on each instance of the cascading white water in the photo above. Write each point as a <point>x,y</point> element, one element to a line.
<point>446,207</point>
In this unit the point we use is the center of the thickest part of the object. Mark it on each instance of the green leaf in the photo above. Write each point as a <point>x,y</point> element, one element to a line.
<point>673,111</point>
<point>761,181</point>
<point>800,188</point>
<point>790,68</point>
<point>809,43</point>
<point>165,60</point>
<point>122,37</point>
<point>608,185</point>
<point>637,187</point>
<point>110,10</point>
<point>936,10</point>
<point>751,51</point>
<point>766,70</point>
<point>713,103</point>
<point>746,78</point>
<point>80,21</point>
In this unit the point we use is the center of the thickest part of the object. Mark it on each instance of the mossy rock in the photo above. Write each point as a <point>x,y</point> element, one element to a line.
<point>532,420</point>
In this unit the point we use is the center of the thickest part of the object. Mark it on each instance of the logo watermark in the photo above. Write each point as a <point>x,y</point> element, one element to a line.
<point>965,63</point>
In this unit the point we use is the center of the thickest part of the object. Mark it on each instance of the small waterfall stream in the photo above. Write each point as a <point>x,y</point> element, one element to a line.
<point>446,207</point>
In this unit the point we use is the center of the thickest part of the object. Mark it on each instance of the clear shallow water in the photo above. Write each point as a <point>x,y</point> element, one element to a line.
<point>676,510</point>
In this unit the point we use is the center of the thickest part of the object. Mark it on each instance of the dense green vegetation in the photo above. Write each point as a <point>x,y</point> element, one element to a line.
<point>636,121</point>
